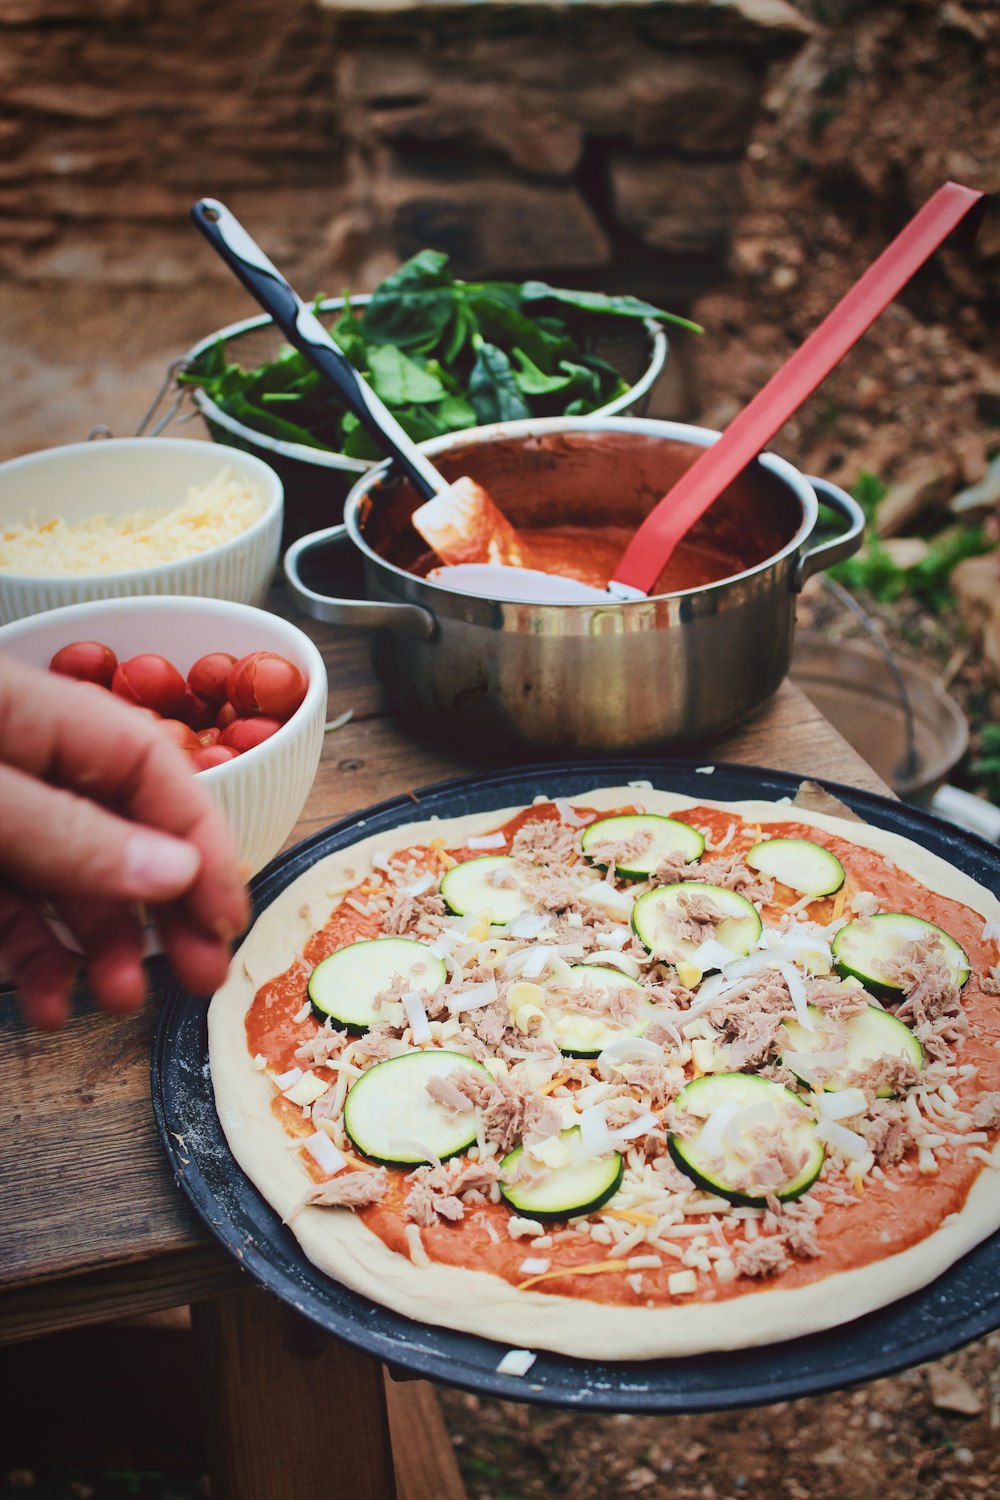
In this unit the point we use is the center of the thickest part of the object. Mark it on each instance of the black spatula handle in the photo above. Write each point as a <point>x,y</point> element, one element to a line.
<point>303,329</point>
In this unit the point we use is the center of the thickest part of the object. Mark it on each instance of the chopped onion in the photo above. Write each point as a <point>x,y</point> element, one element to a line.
<point>627,1049</point>
<point>841,1104</point>
<point>535,962</point>
<point>476,996</point>
<point>404,1145</point>
<point>641,1125</point>
<point>569,814</point>
<point>286,1080</point>
<point>749,1117</point>
<point>797,994</point>
<point>423,883</point>
<point>528,925</point>
<point>324,1153</point>
<point>616,903</point>
<point>486,841</point>
<point>534,1265</point>
<point>413,1005</point>
<point>710,1138</point>
<point>847,1142</point>
<point>616,938</point>
<point>711,954</point>
<point>594,1133</point>
<point>516,1362</point>
<point>623,961</point>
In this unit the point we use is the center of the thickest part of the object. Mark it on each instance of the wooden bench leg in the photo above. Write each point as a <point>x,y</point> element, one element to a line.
<point>293,1414</point>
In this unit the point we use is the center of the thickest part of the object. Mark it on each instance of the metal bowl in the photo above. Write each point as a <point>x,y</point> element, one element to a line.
<point>317,483</point>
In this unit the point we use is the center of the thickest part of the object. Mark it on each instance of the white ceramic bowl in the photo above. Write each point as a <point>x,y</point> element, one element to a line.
<point>262,791</point>
<point>120,475</point>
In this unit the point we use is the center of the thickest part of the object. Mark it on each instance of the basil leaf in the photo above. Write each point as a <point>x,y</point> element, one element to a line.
<point>531,381</point>
<point>585,383</point>
<point>599,302</point>
<point>412,307</point>
<point>269,424</point>
<point>459,331</point>
<point>455,414</point>
<point>400,381</point>
<point>492,388</point>
<point>502,323</point>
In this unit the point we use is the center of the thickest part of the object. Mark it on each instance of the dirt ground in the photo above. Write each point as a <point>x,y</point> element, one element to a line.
<point>886,103</point>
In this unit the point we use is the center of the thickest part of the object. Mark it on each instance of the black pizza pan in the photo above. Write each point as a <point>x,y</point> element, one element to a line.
<point>959,1306</point>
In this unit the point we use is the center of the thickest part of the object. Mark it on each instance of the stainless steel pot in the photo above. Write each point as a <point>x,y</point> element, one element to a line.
<point>573,678</point>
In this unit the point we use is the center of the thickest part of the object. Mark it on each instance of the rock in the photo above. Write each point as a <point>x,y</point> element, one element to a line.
<point>975,582</point>
<point>540,141</point>
<point>950,1391</point>
<point>678,206</point>
<point>492,224</point>
<point>906,551</point>
<point>924,485</point>
<point>703,106</point>
<point>985,495</point>
<point>832,1456</point>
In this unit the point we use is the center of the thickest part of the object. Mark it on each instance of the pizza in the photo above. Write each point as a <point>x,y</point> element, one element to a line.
<point>623,1075</point>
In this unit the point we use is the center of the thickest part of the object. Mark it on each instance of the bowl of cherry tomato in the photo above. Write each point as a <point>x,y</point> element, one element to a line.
<point>241,691</point>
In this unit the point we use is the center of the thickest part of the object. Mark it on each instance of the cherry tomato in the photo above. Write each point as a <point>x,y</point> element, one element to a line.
<point>265,683</point>
<point>244,734</point>
<point>199,710</point>
<point>207,756</point>
<point>181,734</point>
<point>226,715</point>
<point>87,661</point>
<point>152,682</point>
<point>208,736</point>
<point>209,674</point>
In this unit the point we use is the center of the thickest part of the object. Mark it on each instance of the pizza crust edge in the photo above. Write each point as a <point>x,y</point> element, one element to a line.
<point>477,1302</point>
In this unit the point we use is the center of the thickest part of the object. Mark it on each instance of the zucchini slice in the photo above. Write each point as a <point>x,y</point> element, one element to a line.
<point>801,864</point>
<point>469,888</point>
<point>565,1191</point>
<point>745,1118</point>
<point>580,1033</point>
<point>867,947</point>
<point>863,1038</point>
<point>344,985</point>
<point>390,1116</point>
<point>668,836</point>
<point>656,910</point>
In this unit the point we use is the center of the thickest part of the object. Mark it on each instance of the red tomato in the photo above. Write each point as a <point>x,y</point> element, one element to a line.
<point>226,715</point>
<point>152,682</point>
<point>208,736</point>
<point>209,674</point>
<point>265,683</point>
<point>207,756</point>
<point>199,710</point>
<point>87,661</point>
<point>181,734</point>
<point>244,734</point>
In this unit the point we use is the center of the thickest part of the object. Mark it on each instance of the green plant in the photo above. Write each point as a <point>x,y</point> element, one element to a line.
<point>987,766</point>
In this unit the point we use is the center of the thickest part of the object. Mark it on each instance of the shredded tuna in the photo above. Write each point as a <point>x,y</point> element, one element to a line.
<point>986,1112</point>
<point>351,1190</point>
<point>889,1071</point>
<point>438,1192</point>
<point>933,1003</point>
<point>731,872</point>
<point>864,904</point>
<point>888,1132</point>
<point>407,911</point>
<point>760,1258</point>
<point>622,854</point>
<point>444,1092</point>
<point>319,1049</point>
<point>543,841</point>
<point>373,1047</point>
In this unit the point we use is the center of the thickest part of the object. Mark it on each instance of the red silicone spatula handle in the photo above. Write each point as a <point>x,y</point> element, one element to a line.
<point>745,437</point>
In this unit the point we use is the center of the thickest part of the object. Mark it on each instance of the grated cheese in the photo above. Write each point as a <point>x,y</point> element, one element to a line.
<point>55,548</point>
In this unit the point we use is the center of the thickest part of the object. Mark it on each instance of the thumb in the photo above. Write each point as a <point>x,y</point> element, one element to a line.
<point>56,843</point>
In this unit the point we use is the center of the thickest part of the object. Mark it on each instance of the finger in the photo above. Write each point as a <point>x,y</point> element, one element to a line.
<point>56,843</point>
<point>200,959</point>
<point>114,944</point>
<point>76,736</point>
<point>42,970</point>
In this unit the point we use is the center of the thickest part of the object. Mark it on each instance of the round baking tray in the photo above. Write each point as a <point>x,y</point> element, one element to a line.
<point>961,1305</point>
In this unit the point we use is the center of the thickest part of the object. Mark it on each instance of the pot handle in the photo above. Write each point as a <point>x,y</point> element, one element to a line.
<point>372,614</point>
<point>838,547</point>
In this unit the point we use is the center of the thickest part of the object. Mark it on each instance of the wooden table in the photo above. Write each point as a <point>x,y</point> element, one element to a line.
<point>93,1228</point>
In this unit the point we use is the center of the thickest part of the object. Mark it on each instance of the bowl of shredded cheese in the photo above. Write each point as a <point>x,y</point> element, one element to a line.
<point>130,516</point>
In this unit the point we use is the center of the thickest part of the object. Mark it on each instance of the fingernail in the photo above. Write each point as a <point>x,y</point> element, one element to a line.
<point>157,866</point>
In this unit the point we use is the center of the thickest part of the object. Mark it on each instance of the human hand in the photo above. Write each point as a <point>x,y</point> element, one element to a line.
<point>100,812</point>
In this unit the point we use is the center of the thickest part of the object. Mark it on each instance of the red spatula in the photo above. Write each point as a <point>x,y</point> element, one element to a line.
<point>748,434</point>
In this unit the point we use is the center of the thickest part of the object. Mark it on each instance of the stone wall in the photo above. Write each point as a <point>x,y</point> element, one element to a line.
<point>597,142</point>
